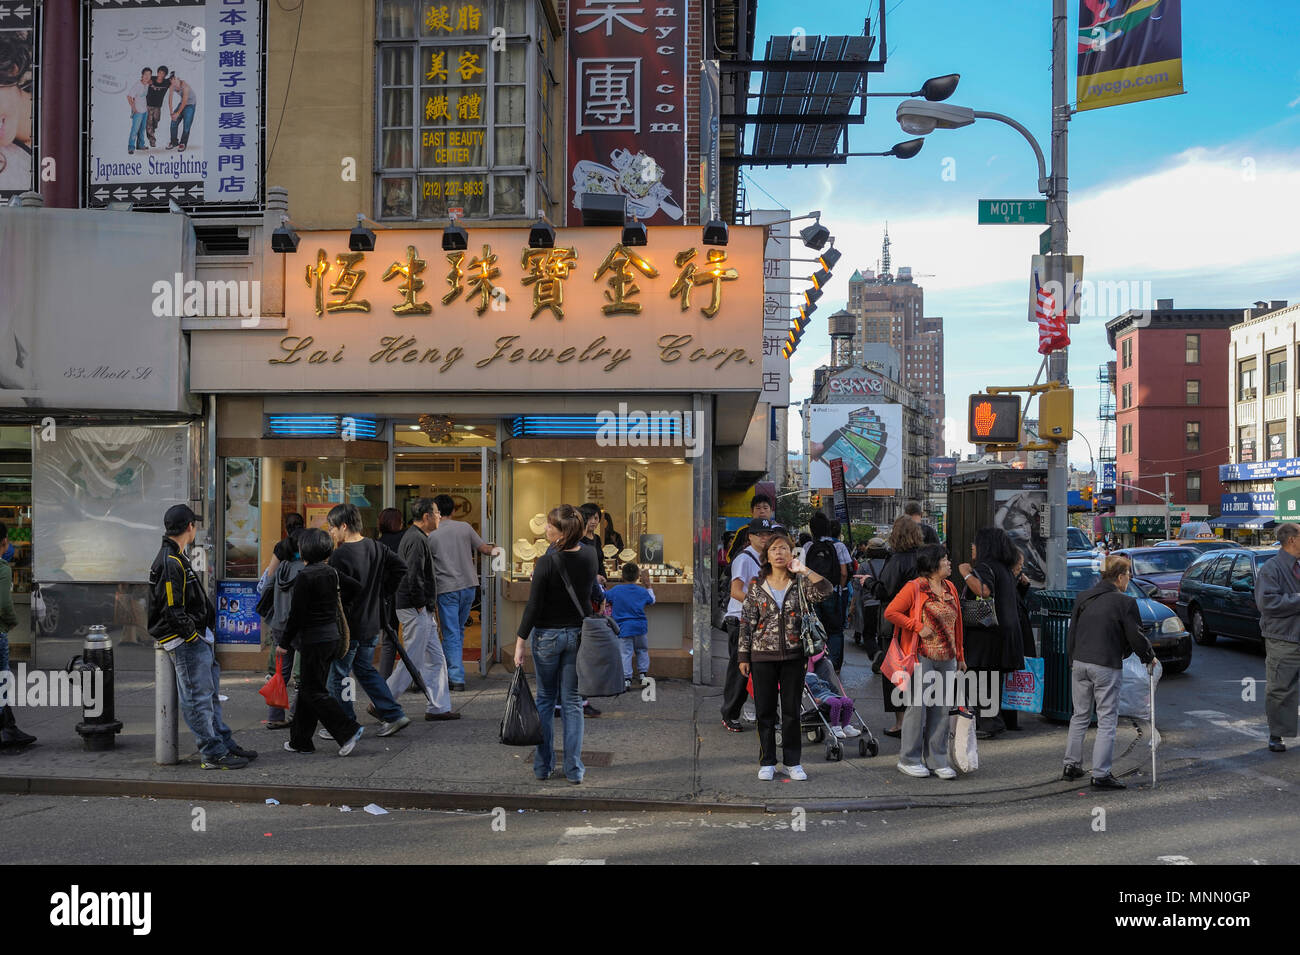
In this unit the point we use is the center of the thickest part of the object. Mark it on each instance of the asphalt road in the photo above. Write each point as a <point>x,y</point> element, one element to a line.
<point>1220,797</point>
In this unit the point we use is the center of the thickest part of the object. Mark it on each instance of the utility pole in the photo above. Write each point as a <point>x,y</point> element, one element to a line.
<point>1168,498</point>
<point>1059,361</point>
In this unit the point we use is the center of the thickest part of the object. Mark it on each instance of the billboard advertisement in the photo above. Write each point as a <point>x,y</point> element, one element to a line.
<point>174,102</point>
<point>18,89</point>
<point>627,113</point>
<point>869,440</point>
<point>237,619</point>
<point>1129,51</point>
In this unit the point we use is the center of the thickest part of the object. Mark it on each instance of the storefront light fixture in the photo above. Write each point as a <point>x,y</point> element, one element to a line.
<point>542,233</point>
<point>819,278</point>
<point>811,295</point>
<point>815,236</point>
<point>634,233</point>
<point>454,238</point>
<point>284,240</point>
<point>715,232</point>
<point>361,238</point>
<point>830,257</point>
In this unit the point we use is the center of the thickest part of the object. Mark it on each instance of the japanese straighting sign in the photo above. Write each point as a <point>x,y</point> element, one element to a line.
<point>627,118</point>
<point>175,102</point>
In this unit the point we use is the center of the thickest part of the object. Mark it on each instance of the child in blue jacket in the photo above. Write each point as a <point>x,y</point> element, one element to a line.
<point>629,600</point>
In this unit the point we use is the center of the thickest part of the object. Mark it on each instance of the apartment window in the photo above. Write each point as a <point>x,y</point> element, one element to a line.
<point>1126,353</point>
<point>1126,396</point>
<point>1277,372</point>
<point>1275,431</point>
<point>1193,436</point>
<point>1126,439</point>
<point>457,126</point>
<point>1193,345</point>
<point>1246,380</point>
<point>1193,487</point>
<point>1126,479</point>
<point>1193,392</point>
<point>1246,443</point>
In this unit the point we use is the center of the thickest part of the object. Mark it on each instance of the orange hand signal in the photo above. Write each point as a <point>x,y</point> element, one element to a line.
<point>985,416</point>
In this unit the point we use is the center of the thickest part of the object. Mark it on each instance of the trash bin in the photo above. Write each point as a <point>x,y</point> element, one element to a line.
<point>1049,612</point>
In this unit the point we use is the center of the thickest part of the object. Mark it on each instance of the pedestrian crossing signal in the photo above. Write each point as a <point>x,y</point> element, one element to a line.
<point>993,419</point>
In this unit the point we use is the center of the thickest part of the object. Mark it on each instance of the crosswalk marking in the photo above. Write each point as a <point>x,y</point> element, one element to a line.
<point>1252,728</point>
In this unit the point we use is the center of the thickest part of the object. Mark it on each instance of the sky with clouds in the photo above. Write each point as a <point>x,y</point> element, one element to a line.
<point>1193,197</point>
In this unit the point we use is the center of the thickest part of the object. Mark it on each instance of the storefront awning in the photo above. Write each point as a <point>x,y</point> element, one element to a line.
<point>1245,522</point>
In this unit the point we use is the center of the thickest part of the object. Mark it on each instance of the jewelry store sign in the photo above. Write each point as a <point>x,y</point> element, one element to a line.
<point>590,313</point>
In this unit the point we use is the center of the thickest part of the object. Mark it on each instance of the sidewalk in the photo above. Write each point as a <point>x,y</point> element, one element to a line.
<point>667,753</point>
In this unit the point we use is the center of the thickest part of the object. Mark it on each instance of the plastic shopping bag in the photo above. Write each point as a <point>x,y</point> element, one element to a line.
<point>1135,688</point>
<point>963,753</point>
<point>1023,689</point>
<point>521,726</point>
<point>274,690</point>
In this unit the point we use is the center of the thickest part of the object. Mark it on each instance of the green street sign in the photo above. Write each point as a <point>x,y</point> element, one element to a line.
<point>1013,212</point>
<point>1045,242</point>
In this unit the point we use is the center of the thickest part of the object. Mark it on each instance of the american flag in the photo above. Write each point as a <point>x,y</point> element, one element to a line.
<point>1052,333</point>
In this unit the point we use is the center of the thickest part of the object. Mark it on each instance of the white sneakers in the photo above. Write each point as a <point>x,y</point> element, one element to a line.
<point>851,732</point>
<point>768,773</point>
<point>839,732</point>
<point>946,772</point>
<point>919,770</point>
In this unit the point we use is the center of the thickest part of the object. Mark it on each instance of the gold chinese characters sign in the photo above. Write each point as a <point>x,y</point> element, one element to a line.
<point>588,314</point>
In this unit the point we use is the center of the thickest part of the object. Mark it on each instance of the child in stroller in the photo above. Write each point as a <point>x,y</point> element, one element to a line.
<point>837,706</point>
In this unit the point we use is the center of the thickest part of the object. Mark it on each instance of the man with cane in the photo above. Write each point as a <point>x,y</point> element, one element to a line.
<point>417,605</point>
<point>1105,628</point>
<point>1277,593</point>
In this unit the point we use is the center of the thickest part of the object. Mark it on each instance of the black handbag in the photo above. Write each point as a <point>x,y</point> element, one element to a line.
<point>979,611</point>
<point>345,632</point>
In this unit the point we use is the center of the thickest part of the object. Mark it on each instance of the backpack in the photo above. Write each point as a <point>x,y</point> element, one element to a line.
<point>821,559</point>
<point>877,587</point>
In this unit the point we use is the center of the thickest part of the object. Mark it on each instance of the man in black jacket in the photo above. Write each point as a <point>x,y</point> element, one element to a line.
<point>1105,628</point>
<point>377,572</point>
<point>417,612</point>
<point>181,619</point>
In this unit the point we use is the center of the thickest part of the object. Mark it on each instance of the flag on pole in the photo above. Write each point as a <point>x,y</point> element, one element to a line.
<point>1052,333</point>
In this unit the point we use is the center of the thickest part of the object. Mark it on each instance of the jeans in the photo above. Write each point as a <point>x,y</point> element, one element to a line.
<point>358,662</point>
<point>424,650</point>
<point>638,644</point>
<point>1282,670</point>
<point>198,681</point>
<point>555,661</point>
<point>734,692</point>
<point>4,652</point>
<point>316,705</point>
<point>786,678</point>
<point>453,608</point>
<point>187,117</point>
<point>1091,683</point>
<point>136,139</point>
<point>926,727</point>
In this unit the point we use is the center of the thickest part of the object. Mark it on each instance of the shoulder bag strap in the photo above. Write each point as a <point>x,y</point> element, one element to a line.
<point>559,566</point>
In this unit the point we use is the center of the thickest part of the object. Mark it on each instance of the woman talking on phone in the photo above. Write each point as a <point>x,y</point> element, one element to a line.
<point>771,649</point>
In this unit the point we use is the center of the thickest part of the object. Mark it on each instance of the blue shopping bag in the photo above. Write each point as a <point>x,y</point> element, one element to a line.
<point>1023,689</point>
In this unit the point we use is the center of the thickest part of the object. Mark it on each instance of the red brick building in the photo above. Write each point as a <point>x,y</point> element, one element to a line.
<point>1171,404</point>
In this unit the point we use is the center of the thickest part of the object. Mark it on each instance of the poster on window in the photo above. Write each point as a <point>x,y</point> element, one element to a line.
<point>627,114</point>
<point>174,102</point>
<point>243,521</point>
<point>1023,515</point>
<point>237,619</point>
<point>17,93</point>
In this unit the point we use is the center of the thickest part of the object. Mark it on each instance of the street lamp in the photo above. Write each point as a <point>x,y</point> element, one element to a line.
<point>921,118</point>
<point>904,150</point>
<point>934,89</point>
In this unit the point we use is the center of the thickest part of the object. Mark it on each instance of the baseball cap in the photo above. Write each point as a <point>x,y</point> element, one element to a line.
<point>762,525</point>
<point>178,517</point>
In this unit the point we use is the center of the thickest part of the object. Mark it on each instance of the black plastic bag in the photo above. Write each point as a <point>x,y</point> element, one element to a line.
<point>521,726</point>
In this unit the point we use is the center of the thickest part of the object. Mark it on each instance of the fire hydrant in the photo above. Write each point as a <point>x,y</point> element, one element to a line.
<point>94,665</point>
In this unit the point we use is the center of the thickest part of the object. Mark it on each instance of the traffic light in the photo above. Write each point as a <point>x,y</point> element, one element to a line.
<point>1086,493</point>
<point>815,499</point>
<point>1056,414</point>
<point>993,419</point>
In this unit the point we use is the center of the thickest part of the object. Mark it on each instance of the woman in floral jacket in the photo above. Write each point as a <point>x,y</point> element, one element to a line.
<point>771,649</point>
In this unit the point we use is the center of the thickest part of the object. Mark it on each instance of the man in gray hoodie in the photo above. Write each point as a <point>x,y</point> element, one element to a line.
<point>1277,594</point>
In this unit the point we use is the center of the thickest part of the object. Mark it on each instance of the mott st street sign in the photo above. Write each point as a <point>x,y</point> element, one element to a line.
<point>1013,212</point>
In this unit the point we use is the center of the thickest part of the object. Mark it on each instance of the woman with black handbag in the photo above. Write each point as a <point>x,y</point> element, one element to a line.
<point>991,620</point>
<point>777,616</point>
<point>554,618</point>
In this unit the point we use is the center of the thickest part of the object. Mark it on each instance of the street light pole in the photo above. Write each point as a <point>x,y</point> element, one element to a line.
<point>1058,361</point>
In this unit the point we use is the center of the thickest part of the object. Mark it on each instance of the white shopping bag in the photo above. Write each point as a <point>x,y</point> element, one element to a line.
<point>962,751</point>
<point>1135,688</point>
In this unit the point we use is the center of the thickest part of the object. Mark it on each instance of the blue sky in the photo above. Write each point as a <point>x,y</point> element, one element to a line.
<point>1194,197</point>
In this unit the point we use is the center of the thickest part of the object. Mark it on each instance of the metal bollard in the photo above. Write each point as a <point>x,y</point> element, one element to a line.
<point>166,707</point>
<point>99,731</point>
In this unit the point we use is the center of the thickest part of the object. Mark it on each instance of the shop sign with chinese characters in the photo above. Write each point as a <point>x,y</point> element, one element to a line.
<point>590,313</point>
<point>627,106</point>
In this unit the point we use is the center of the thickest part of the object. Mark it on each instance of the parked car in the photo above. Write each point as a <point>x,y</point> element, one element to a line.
<point>1161,566</point>
<point>1160,625</point>
<point>1200,545</point>
<point>1216,597</point>
<point>1076,539</point>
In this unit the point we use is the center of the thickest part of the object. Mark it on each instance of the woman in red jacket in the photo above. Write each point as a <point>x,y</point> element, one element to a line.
<point>926,616</point>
